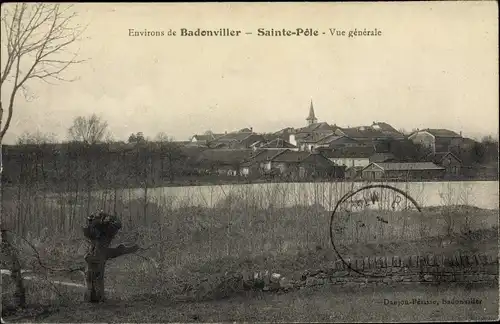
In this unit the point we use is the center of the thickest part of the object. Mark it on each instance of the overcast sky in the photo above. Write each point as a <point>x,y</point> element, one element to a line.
<point>435,65</point>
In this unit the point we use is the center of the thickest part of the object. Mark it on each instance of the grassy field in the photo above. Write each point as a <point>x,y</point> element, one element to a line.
<point>318,304</point>
<point>190,246</point>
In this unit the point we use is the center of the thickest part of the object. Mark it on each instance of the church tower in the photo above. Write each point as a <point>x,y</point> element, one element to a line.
<point>311,119</point>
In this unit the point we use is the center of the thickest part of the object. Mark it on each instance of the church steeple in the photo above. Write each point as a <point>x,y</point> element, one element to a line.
<point>311,119</point>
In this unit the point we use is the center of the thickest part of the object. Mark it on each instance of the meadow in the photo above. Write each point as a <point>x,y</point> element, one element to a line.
<point>186,246</point>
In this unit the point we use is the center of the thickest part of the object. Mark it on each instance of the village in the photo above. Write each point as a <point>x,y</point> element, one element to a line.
<point>318,151</point>
<point>321,150</point>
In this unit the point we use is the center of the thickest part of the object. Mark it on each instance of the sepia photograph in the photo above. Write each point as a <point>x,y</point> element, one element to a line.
<point>249,162</point>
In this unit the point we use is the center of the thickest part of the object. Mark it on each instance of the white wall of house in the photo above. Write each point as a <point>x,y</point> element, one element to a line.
<point>266,165</point>
<point>425,139</point>
<point>306,147</point>
<point>351,162</point>
<point>292,140</point>
<point>193,139</point>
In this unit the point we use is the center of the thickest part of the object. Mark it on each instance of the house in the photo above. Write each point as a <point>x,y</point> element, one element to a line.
<point>256,146</point>
<point>316,165</point>
<point>353,173</point>
<point>287,160</point>
<point>467,144</point>
<point>387,130</point>
<point>306,138</point>
<point>248,141</point>
<point>382,157</point>
<point>350,157</point>
<point>462,150</point>
<point>204,139</point>
<point>307,142</point>
<point>378,131</point>
<point>335,142</point>
<point>242,139</point>
<point>436,140</point>
<point>283,134</point>
<point>260,162</point>
<point>223,161</point>
<point>403,150</point>
<point>448,160</point>
<point>321,128</point>
<point>278,144</point>
<point>293,164</point>
<point>402,171</point>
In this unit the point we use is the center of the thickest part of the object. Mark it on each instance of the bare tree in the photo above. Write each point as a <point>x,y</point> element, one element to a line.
<point>35,42</point>
<point>37,138</point>
<point>163,137</point>
<point>89,130</point>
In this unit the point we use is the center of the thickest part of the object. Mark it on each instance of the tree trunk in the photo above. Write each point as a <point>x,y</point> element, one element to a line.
<point>100,231</point>
<point>94,273</point>
<point>8,248</point>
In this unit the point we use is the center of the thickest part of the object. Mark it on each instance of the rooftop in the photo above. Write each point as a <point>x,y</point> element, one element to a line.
<point>440,132</point>
<point>263,155</point>
<point>225,156</point>
<point>351,152</point>
<point>381,157</point>
<point>376,130</point>
<point>336,139</point>
<point>317,127</point>
<point>278,143</point>
<point>439,157</point>
<point>394,166</point>
<point>291,156</point>
<point>233,137</point>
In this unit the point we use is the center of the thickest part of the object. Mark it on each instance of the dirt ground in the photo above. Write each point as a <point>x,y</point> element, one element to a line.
<point>320,304</point>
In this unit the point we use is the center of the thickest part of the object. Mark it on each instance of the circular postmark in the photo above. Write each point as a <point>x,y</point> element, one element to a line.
<point>375,220</point>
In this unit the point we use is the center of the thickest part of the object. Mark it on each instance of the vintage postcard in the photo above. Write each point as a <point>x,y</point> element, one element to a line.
<point>249,162</point>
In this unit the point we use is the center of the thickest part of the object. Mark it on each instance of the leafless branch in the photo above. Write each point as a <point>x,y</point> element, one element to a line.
<point>38,38</point>
<point>89,130</point>
<point>80,267</point>
<point>36,138</point>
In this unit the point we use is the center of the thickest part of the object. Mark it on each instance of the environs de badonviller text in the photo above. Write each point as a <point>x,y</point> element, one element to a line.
<point>262,32</point>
